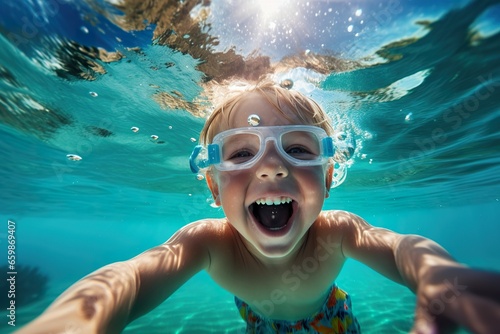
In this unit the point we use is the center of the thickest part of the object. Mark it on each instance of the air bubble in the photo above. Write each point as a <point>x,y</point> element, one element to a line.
<point>287,83</point>
<point>367,135</point>
<point>253,120</point>
<point>409,118</point>
<point>199,177</point>
<point>93,94</point>
<point>341,136</point>
<point>154,137</point>
<point>134,129</point>
<point>193,140</point>
<point>73,157</point>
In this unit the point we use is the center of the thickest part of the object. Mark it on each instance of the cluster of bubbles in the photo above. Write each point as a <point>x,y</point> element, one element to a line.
<point>135,129</point>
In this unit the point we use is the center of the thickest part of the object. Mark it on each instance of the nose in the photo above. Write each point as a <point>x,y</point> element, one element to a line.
<point>271,165</point>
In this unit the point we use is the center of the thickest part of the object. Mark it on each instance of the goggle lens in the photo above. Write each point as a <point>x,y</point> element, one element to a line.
<point>242,148</point>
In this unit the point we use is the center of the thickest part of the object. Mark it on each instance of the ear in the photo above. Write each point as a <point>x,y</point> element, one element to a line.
<point>328,179</point>
<point>213,186</point>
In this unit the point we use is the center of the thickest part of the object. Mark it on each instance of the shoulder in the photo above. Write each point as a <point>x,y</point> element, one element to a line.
<point>204,232</point>
<point>357,235</point>
<point>214,238</point>
<point>340,221</point>
<point>332,228</point>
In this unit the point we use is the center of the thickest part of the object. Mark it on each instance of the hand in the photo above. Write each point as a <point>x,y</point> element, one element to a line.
<point>452,296</point>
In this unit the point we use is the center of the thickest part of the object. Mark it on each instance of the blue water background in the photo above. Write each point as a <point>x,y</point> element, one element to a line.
<point>425,122</point>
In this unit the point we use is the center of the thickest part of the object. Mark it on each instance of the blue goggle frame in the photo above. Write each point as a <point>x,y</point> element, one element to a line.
<point>202,157</point>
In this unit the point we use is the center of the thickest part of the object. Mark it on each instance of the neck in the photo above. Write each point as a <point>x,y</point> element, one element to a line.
<point>276,262</point>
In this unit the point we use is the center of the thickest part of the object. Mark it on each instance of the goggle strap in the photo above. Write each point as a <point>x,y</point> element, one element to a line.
<point>192,159</point>
<point>328,147</point>
<point>213,154</point>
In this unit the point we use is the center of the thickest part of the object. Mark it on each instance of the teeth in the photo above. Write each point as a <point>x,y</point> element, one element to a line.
<point>273,200</point>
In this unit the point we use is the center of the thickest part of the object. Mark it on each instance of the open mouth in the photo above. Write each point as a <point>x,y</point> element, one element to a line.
<point>272,213</point>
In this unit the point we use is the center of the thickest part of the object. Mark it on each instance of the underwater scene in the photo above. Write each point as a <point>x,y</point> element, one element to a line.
<point>102,102</point>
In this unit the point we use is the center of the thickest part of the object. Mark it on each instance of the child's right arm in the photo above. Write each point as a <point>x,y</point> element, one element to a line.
<point>108,299</point>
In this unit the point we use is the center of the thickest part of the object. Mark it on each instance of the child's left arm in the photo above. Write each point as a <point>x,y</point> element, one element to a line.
<point>448,293</point>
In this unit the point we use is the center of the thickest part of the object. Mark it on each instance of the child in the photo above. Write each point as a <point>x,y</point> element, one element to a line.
<point>268,162</point>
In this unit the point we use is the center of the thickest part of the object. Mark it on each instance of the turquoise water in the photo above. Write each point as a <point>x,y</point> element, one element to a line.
<point>416,85</point>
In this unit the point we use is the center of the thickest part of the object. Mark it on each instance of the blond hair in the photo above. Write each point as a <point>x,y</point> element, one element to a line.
<point>285,101</point>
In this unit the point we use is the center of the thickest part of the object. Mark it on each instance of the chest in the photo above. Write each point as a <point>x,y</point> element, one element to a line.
<point>291,292</point>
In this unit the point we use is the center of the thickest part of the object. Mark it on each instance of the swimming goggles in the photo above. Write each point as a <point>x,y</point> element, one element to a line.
<point>241,148</point>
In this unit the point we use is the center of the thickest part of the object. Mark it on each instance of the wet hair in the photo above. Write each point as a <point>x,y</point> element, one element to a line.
<point>285,101</point>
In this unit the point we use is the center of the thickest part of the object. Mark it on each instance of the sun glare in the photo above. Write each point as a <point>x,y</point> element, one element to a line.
<point>269,8</point>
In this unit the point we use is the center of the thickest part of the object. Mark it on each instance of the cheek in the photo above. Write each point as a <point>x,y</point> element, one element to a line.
<point>315,176</point>
<point>314,183</point>
<point>230,184</point>
<point>222,181</point>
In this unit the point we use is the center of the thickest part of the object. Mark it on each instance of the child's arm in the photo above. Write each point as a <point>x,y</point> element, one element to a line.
<point>447,292</point>
<point>108,299</point>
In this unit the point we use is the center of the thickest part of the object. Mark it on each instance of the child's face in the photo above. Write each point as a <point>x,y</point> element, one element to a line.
<point>271,178</point>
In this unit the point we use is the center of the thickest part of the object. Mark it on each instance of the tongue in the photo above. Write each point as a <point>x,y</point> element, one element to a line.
<point>273,217</point>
